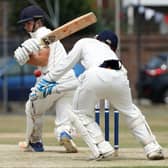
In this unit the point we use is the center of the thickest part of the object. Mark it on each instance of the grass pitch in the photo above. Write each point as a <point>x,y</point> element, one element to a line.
<point>12,130</point>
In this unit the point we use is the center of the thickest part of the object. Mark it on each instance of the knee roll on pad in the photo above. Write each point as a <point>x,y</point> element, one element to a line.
<point>85,134</point>
<point>92,127</point>
<point>132,124</point>
<point>95,132</point>
<point>76,121</point>
<point>85,119</point>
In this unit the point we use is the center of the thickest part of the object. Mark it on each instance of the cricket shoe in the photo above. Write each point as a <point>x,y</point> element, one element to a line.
<point>67,142</point>
<point>106,151</point>
<point>103,157</point>
<point>31,147</point>
<point>154,151</point>
<point>156,155</point>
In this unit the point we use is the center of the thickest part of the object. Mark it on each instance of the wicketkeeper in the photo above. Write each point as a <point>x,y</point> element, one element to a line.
<point>105,78</point>
<point>46,59</point>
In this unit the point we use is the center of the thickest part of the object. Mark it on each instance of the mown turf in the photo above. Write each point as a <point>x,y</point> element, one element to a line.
<point>12,130</point>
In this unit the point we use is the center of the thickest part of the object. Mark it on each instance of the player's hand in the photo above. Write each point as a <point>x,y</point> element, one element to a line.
<point>42,89</point>
<point>32,45</point>
<point>21,55</point>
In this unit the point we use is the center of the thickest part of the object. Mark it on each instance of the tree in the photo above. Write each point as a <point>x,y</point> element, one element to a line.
<point>68,10</point>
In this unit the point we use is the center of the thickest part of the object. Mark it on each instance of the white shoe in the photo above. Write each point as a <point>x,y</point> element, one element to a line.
<point>154,151</point>
<point>106,151</point>
<point>67,142</point>
<point>99,157</point>
<point>108,154</point>
<point>102,157</point>
<point>156,155</point>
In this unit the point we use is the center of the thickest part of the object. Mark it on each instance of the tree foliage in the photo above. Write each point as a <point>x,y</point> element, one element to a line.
<point>69,9</point>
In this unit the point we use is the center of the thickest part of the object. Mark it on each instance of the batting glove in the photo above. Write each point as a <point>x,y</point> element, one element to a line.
<point>32,45</point>
<point>42,89</point>
<point>21,55</point>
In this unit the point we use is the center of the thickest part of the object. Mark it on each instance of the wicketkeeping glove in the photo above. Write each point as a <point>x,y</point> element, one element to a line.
<point>42,89</point>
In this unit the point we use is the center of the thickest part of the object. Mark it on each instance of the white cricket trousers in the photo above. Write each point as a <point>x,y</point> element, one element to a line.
<point>37,109</point>
<point>100,83</point>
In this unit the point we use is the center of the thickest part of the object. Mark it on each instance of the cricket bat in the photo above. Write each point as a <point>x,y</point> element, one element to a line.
<point>69,28</point>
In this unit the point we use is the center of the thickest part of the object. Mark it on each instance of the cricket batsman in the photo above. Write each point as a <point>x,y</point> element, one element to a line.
<point>45,58</point>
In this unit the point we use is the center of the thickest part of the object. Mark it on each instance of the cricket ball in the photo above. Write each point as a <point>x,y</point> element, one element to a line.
<point>37,73</point>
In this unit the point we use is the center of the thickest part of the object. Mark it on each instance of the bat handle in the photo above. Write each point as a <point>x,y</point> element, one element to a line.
<point>48,40</point>
<point>33,96</point>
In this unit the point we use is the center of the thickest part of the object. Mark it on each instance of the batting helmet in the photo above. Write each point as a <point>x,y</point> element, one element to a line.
<point>30,13</point>
<point>109,38</point>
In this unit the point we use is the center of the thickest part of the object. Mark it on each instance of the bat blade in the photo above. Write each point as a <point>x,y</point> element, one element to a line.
<point>70,28</point>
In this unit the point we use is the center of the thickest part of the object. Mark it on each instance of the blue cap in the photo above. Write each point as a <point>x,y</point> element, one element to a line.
<point>109,38</point>
<point>30,13</point>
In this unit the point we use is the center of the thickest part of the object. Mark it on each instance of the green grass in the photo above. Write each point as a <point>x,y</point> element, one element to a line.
<point>12,130</point>
<point>157,117</point>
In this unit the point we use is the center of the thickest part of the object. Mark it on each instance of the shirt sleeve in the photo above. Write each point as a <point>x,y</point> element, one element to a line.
<point>66,63</point>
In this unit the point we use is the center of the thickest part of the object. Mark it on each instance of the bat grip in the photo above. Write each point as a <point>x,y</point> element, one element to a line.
<point>33,96</point>
<point>48,40</point>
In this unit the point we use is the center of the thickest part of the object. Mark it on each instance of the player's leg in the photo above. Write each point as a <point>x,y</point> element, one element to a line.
<point>84,101</point>
<point>64,130</point>
<point>152,148</point>
<point>100,148</point>
<point>34,123</point>
<point>122,100</point>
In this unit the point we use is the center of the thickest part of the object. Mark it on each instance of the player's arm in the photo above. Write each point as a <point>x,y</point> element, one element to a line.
<point>40,58</point>
<point>23,53</point>
<point>66,63</point>
<point>31,53</point>
<point>48,85</point>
